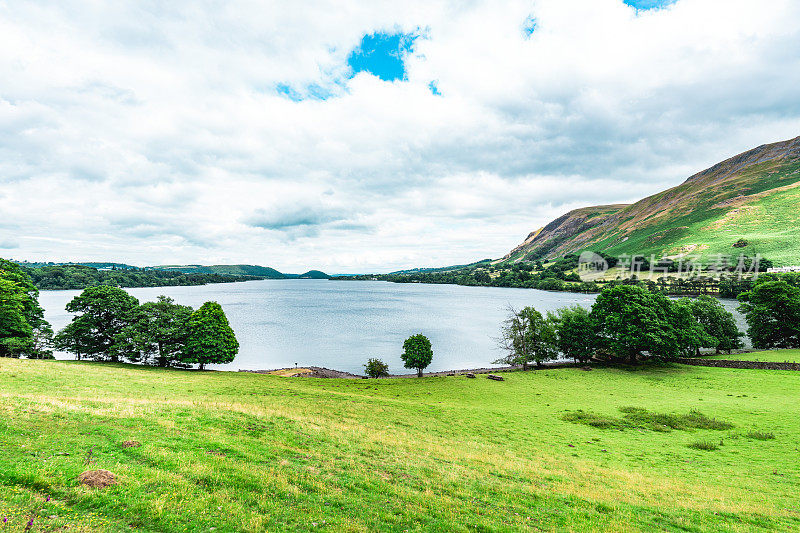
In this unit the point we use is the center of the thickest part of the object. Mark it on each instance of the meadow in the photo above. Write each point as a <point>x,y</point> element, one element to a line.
<point>686,449</point>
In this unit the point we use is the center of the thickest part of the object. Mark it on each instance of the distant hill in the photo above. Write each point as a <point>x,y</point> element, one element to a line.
<point>229,270</point>
<point>747,204</point>
<point>439,269</point>
<point>314,274</point>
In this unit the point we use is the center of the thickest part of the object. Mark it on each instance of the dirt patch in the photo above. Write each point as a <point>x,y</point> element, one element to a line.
<point>98,479</point>
<point>131,444</point>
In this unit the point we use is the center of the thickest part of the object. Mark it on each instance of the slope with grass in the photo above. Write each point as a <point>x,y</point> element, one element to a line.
<point>248,452</point>
<point>770,356</point>
<point>752,199</point>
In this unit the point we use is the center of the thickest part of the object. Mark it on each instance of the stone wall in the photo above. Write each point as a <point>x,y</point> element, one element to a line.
<point>727,363</point>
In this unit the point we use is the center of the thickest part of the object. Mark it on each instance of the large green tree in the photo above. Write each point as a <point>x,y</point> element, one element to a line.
<point>156,333</point>
<point>631,320</point>
<point>717,322</point>
<point>417,353</point>
<point>575,330</point>
<point>103,312</point>
<point>23,329</point>
<point>772,311</point>
<point>527,337</point>
<point>210,339</point>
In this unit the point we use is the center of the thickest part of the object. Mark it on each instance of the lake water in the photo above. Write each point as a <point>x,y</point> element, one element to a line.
<point>340,324</point>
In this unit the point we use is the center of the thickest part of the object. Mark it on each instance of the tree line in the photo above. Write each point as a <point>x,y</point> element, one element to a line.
<point>111,325</point>
<point>62,277</point>
<point>629,323</point>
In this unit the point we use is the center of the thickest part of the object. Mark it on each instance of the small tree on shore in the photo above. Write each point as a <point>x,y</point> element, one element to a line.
<point>375,368</point>
<point>210,339</point>
<point>772,311</point>
<point>718,322</point>
<point>417,353</point>
<point>575,331</point>
<point>527,337</point>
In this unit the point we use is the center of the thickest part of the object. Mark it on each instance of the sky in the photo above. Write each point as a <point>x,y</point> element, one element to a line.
<point>357,136</point>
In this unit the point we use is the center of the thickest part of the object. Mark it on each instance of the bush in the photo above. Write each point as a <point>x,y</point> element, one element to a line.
<point>705,445</point>
<point>375,368</point>
<point>760,435</point>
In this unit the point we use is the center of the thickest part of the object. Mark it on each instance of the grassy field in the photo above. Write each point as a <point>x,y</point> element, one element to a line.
<point>771,356</point>
<point>246,452</point>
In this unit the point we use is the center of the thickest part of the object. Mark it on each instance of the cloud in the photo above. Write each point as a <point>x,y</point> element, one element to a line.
<point>369,136</point>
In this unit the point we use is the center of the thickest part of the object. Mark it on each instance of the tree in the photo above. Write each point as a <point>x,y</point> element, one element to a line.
<point>718,322</point>
<point>772,311</point>
<point>157,331</point>
<point>20,302</point>
<point>631,320</point>
<point>417,353</point>
<point>14,328</point>
<point>527,337</point>
<point>375,368</point>
<point>210,339</point>
<point>104,312</point>
<point>689,334</point>
<point>575,331</point>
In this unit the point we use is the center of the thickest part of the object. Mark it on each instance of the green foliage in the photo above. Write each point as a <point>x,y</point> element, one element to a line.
<point>417,352</point>
<point>23,330</point>
<point>375,368</point>
<point>717,322</point>
<point>74,276</point>
<point>103,313</point>
<point>527,337</point>
<point>575,330</point>
<point>760,435</point>
<point>706,445</point>
<point>156,334</point>
<point>641,418</point>
<point>772,311</point>
<point>631,320</point>
<point>210,339</point>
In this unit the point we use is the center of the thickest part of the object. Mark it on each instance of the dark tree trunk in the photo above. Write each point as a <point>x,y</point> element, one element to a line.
<point>419,372</point>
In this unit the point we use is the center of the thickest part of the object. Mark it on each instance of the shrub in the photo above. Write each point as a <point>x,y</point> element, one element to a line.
<point>705,445</point>
<point>760,435</point>
<point>375,368</point>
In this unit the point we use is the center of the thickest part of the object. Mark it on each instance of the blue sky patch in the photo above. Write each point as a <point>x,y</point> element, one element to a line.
<point>644,5</point>
<point>382,55</point>
<point>529,26</point>
<point>434,87</point>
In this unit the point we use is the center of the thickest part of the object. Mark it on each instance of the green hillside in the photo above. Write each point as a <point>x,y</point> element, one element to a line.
<point>314,274</point>
<point>751,200</point>
<point>231,452</point>
<point>230,270</point>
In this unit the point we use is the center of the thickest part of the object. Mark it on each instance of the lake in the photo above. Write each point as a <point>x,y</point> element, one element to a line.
<point>340,324</point>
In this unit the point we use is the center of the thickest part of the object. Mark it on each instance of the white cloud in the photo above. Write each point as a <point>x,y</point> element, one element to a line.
<point>156,134</point>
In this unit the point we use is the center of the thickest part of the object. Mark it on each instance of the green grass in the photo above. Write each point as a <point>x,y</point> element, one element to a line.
<point>246,452</point>
<point>770,356</point>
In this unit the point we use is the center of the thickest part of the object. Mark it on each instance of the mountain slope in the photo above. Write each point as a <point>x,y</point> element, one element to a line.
<point>751,198</point>
<point>232,270</point>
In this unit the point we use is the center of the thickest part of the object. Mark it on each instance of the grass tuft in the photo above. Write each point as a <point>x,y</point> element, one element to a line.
<point>640,418</point>
<point>704,444</point>
<point>760,435</point>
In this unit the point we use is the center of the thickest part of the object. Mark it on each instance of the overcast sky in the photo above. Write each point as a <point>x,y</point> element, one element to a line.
<point>366,136</point>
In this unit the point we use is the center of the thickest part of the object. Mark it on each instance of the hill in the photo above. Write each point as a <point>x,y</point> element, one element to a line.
<point>314,274</point>
<point>227,451</point>
<point>228,270</point>
<point>749,204</point>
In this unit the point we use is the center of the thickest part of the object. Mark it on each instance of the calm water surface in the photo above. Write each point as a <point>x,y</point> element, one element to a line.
<point>340,324</point>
